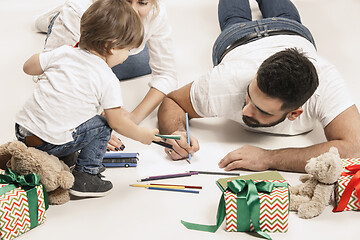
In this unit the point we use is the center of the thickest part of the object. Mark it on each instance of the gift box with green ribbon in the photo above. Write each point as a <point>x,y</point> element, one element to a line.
<point>259,205</point>
<point>347,188</point>
<point>23,202</point>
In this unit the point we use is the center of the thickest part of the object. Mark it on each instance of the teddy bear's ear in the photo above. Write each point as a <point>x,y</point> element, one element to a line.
<point>22,159</point>
<point>5,155</point>
<point>16,147</point>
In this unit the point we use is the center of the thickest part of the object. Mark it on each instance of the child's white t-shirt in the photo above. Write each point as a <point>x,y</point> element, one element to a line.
<point>75,86</point>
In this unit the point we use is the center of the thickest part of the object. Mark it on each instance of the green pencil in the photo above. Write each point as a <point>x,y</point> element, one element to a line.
<point>176,137</point>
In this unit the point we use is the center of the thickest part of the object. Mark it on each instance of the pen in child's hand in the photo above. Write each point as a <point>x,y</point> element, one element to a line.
<point>164,144</point>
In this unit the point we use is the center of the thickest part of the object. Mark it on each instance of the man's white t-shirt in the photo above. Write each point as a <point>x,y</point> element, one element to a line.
<point>222,91</point>
<point>75,86</point>
<point>157,35</point>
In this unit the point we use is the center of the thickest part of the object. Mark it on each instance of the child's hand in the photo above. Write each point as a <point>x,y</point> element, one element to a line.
<point>148,135</point>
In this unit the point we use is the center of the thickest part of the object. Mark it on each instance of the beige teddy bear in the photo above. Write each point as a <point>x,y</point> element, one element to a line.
<point>54,174</point>
<point>311,197</point>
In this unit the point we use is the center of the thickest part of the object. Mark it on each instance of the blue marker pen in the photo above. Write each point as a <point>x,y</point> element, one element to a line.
<point>187,132</point>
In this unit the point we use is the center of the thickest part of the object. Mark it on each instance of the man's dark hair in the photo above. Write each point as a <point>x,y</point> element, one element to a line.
<point>289,76</point>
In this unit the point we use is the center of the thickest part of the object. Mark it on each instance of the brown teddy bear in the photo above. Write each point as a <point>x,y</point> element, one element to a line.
<point>311,197</point>
<point>54,173</point>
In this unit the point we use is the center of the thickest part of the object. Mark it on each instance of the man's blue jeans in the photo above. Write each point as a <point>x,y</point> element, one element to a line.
<point>235,21</point>
<point>134,66</point>
<point>90,138</point>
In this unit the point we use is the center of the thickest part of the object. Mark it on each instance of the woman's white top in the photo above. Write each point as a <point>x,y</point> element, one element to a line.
<point>66,31</point>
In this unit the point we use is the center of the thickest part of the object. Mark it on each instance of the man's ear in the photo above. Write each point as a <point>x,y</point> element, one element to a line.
<point>294,114</point>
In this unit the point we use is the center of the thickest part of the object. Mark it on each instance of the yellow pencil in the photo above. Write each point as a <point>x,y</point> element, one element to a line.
<point>158,186</point>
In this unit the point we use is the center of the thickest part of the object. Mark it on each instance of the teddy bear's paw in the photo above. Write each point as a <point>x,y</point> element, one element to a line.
<point>304,178</point>
<point>296,201</point>
<point>306,190</point>
<point>66,180</point>
<point>310,209</point>
<point>59,196</point>
<point>294,190</point>
<point>50,183</point>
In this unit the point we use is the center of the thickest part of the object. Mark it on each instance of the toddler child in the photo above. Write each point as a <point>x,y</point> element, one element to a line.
<point>62,117</point>
<point>154,55</point>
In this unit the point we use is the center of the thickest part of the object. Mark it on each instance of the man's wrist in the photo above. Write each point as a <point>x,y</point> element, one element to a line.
<point>179,132</point>
<point>270,159</point>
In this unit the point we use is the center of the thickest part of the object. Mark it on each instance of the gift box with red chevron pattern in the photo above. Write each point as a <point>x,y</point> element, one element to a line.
<point>346,185</point>
<point>274,210</point>
<point>14,209</point>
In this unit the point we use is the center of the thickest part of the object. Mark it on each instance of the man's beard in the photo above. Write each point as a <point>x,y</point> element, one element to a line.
<point>251,122</point>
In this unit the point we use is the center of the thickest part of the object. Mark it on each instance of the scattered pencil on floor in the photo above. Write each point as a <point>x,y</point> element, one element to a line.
<point>175,185</point>
<point>159,186</point>
<point>165,188</point>
<point>216,173</point>
<point>187,174</point>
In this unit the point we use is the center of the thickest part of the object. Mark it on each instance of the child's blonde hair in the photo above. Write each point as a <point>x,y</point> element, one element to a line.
<point>108,24</point>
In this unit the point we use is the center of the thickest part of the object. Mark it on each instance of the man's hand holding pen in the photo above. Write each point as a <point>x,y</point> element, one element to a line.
<point>181,148</point>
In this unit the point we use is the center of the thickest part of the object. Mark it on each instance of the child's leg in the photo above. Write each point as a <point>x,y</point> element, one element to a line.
<point>233,11</point>
<point>70,160</point>
<point>279,8</point>
<point>135,66</point>
<point>91,138</point>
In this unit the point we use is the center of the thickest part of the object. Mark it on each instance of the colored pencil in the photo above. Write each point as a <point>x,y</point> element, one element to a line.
<point>164,144</point>
<point>153,185</point>
<point>174,190</point>
<point>187,133</point>
<point>216,173</point>
<point>176,137</point>
<point>187,174</point>
<point>175,185</point>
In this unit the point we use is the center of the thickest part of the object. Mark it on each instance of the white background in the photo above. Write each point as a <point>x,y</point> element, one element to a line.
<point>136,213</point>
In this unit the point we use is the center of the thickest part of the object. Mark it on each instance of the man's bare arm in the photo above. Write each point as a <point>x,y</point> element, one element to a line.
<point>171,114</point>
<point>343,133</point>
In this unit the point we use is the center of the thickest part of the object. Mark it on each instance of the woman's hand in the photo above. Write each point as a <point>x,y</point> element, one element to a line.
<point>115,144</point>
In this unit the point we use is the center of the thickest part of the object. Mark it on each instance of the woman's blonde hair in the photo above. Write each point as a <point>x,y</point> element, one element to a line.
<point>155,8</point>
<point>109,24</point>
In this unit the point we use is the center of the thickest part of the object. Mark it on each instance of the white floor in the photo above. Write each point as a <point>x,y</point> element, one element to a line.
<point>143,214</point>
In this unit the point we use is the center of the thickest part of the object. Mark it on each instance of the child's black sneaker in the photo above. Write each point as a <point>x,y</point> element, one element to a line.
<point>89,185</point>
<point>102,168</point>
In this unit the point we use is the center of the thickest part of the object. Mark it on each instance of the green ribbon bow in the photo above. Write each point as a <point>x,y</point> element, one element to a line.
<point>27,183</point>
<point>248,206</point>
